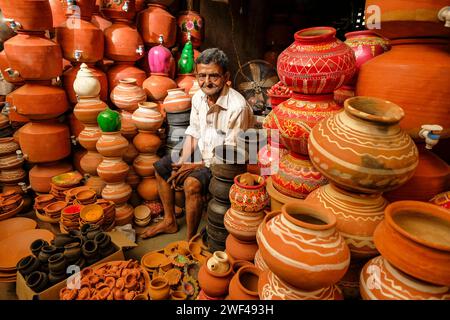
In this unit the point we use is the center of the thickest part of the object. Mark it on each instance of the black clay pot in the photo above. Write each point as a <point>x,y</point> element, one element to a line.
<point>227,171</point>
<point>216,232</point>
<point>28,265</point>
<point>55,278</point>
<point>216,211</point>
<point>57,264</point>
<point>46,253</point>
<point>61,239</point>
<point>37,281</point>
<point>37,245</point>
<point>220,189</point>
<point>102,240</point>
<point>179,118</point>
<point>89,250</point>
<point>214,245</point>
<point>72,252</point>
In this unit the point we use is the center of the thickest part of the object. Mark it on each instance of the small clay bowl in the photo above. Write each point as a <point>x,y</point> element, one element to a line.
<point>142,213</point>
<point>85,195</point>
<point>37,245</point>
<point>91,213</point>
<point>55,208</point>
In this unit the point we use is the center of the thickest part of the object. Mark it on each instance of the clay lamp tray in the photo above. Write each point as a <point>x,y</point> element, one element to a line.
<point>154,260</point>
<point>67,180</point>
<point>12,226</point>
<point>9,214</point>
<point>179,260</point>
<point>53,210</point>
<point>173,276</point>
<point>70,194</point>
<point>14,248</point>
<point>86,197</point>
<point>178,247</point>
<point>92,213</point>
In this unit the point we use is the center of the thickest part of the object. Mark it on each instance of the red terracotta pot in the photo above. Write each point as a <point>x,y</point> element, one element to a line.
<point>177,100</point>
<point>10,77</point>
<point>214,284</point>
<point>112,144</point>
<point>41,174</point>
<point>90,161</point>
<point>147,142</point>
<point>127,95</point>
<point>244,284</point>
<point>43,57</point>
<point>186,81</point>
<point>89,136</point>
<point>143,164</point>
<point>148,189</point>
<point>358,164</point>
<point>302,246</point>
<point>112,170</point>
<point>69,78</point>
<point>80,40</point>
<point>296,117</point>
<point>44,141</point>
<point>156,86</point>
<point>421,229</point>
<point>147,117</point>
<point>87,110</point>
<point>271,287</point>
<point>58,12</point>
<point>357,216</point>
<point>122,70</point>
<point>317,62</point>
<point>123,42</point>
<point>31,15</point>
<point>155,21</point>
<point>247,198</point>
<point>117,192</point>
<point>118,9</point>
<point>240,250</point>
<point>192,22</point>
<point>407,68</point>
<point>36,101</point>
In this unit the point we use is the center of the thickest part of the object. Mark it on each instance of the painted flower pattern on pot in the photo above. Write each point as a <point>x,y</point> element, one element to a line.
<point>249,198</point>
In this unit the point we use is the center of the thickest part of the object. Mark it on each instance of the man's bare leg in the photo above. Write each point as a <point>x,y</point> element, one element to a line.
<point>193,206</point>
<point>169,224</point>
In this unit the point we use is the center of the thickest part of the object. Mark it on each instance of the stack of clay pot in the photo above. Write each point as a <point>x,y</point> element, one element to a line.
<point>147,120</point>
<point>249,198</point>
<point>12,174</point>
<point>36,60</point>
<point>113,170</point>
<point>228,163</point>
<point>312,67</point>
<point>87,88</point>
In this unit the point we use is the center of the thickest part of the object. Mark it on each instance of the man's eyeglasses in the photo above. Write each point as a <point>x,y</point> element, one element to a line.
<point>212,77</point>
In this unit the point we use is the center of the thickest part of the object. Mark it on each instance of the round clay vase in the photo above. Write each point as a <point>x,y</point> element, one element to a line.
<point>297,116</point>
<point>190,22</point>
<point>86,86</point>
<point>88,109</point>
<point>90,161</point>
<point>389,283</point>
<point>214,284</point>
<point>155,21</point>
<point>112,144</point>
<point>244,284</point>
<point>89,136</point>
<point>241,250</point>
<point>123,10</point>
<point>41,174</point>
<point>422,230</point>
<point>117,192</point>
<point>147,141</point>
<point>122,70</point>
<point>147,117</point>
<point>177,100</point>
<point>357,216</point>
<point>317,62</point>
<point>243,225</point>
<point>249,198</point>
<point>123,42</point>
<point>156,86</point>
<point>148,189</point>
<point>186,82</point>
<point>382,158</point>
<point>159,289</point>
<point>302,246</point>
<point>143,164</point>
<point>127,127</point>
<point>30,15</point>
<point>112,170</point>
<point>271,287</point>
<point>127,95</point>
<point>159,59</point>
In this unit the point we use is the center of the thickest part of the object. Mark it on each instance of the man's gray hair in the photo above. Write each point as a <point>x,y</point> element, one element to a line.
<point>213,55</point>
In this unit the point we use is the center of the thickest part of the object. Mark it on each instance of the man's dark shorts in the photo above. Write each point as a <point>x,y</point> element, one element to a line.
<point>164,169</point>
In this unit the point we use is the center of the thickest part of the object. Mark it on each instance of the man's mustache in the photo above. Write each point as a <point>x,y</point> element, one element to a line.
<point>209,85</point>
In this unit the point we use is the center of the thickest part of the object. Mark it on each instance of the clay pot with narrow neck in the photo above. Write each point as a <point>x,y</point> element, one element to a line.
<point>123,70</point>
<point>117,192</point>
<point>45,141</point>
<point>112,144</point>
<point>190,22</point>
<point>147,117</point>
<point>147,142</point>
<point>186,81</point>
<point>359,165</point>
<point>143,164</point>
<point>112,170</point>
<point>148,189</point>
<point>214,284</point>
<point>156,86</point>
<point>80,41</point>
<point>297,116</point>
<point>159,59</point>
<point>357,216</point>
<point>127,95</point>
<point>43,56</point>
<point>41,174</point>
<point>317,62</point>
<point>155,21</point>
<point>123,42</point>
<point>123,10</point>
<point>30,15</point>
<point>244,284</point>
<point>177,100</point>
<point>249,198</point>
<point>302,246</point>
<point>87,110</point>
<point>90,161</point>
<point>38,101</point>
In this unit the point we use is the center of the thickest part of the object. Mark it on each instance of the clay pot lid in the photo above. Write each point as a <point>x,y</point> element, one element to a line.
<point>12,226</point>
<point>154,260</point>
<point>374,109</point>
<point>91,213</point>
<point>17,246</point>
<point>142,212</point>
<point>55,206</point>
<point>308,215</point>
<point>67,179</point>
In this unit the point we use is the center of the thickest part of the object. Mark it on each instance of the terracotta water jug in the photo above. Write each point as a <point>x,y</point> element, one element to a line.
<point>123,42</point>
<point>190,22</point>
<point>147,117</point>
<point>155,21</point>
<point>127,95</point>
<point>28,15</point>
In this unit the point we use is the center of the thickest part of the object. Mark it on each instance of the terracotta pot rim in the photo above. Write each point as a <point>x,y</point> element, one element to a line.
<point>161,74</point>
<point>148,105</point>
<point>163,284</point>
<point>312,97</point>
<point>260,180</point>
<point>315,34</point>
<point>248,269</point>
<point>424,208</point>
<point>374,109</point>
<point>128,80</point>
<point>303,208</point>
<point>363,33</point>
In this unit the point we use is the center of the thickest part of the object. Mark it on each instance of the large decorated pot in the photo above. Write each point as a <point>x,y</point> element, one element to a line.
<point>37,101</point>
<point>127,95</point>
<point>156,86</point>
<point>113,170</point>
<point>317,62</point>
<point>357,216</point>
<point>112,144</point>
<point>302,246</point>
<point>118,9</point>
<point>409,67</point>
<point>177,100</point>
<point>363,148</point>
<point>44,141</point>
<point>155,21</point>
<point>88,109</point>
<point>33,57</point>
<point>271,287</point>
<point>243,225</point>
<point>296,176</point>
<point>422,231</point>
<point>389,283</point>
<point>249,196</point>
<point>122,70</point>
<point>147,117</point>
<point>89,136</point>
<point>123,42</point>
<point>159,59</point>
<point>71,74</point>
<point>190,27</point>
<point>296,117</point>
<point>143,164</point>
<point>80,40</point>
<point>28,15</point>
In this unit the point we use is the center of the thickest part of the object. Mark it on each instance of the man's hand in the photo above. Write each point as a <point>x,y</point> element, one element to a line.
<point>176,166</point>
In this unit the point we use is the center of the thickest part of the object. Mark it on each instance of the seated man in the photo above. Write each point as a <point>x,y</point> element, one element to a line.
<point>218,114</point>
